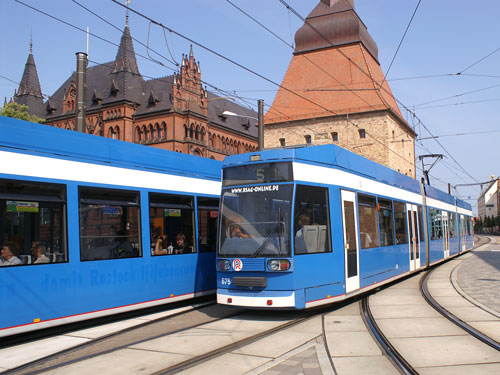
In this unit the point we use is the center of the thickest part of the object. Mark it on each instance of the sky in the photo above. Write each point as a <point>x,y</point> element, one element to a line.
<point>445,37</point>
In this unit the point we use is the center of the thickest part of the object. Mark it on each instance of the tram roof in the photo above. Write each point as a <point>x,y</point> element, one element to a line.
<point>337,157</point>
<point>49,141</point>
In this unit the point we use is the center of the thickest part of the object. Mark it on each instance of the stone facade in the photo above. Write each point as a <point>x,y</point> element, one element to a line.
<point>339,130</point>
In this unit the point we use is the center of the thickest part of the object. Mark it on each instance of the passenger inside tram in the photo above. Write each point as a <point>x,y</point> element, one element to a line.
<point>9,253</point>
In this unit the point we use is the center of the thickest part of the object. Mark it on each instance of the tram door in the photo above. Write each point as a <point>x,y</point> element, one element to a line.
<point>446,235</point>
<point>414,236</point>
<point>351,255</point>
<point>463,223</point>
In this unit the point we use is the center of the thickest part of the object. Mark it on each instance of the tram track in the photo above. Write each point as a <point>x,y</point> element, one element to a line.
<point>150,330</point>
<point>396,358</point>
<point>451,317</point>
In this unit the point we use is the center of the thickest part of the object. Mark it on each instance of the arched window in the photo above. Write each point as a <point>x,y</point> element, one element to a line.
<point>197,132</point>
<point>163,130</point>
<point>185,131</point>
<point>191,131</point>
<point>137,135</point>
<point>156,132</point>
<point>116,134</point>
<point>144,135</point>
<point>150,132</point>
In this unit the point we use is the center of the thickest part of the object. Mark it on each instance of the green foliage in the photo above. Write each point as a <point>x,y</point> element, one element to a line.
<point>19,111</point>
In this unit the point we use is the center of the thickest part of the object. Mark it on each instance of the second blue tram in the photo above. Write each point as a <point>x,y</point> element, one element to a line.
<point>307,226</point>
<point>91,226</point>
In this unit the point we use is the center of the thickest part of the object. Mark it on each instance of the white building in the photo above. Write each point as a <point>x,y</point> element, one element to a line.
<point>489,200</point>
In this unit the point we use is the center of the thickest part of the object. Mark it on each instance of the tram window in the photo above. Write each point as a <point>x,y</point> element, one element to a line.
<point>400,223</point>
<point>386,221</point>
<point>420,223</point>
<point>469,226</point>
<point>368,227</point>
<point>109,224</point>
<point>171,220</point>
<point>453,229</point>
<point>208,212</point>
<point>33,221</point>
<point>312,223</point>
<point>436,224</point>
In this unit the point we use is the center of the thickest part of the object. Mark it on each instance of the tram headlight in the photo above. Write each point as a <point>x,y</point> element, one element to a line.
<point>223,265</point>
<point>278,265</point>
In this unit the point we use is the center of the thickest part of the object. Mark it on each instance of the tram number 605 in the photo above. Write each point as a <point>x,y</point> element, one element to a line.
<point>225,281</point>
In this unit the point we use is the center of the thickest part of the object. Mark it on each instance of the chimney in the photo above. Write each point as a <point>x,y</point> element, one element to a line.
<point>81,88</point>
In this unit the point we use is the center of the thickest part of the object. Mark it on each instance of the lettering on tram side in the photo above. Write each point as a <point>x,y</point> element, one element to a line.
<point>225,281</point>
<point>113,277</point>
<point>73,281</point>
<point>255,189</point>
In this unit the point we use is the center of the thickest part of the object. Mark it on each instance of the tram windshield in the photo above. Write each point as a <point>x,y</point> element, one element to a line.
<point>255,221</point>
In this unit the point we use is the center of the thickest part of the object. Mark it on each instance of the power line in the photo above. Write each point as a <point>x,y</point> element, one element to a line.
<point>369,75</point>
<point>400,43</point>
<point>117,28</point>
<point>482,59</point>
<point>460,103</point>
<point>458,95</point>
<point>84,31</point>
<point>458,134</point>
<point>319,67</point>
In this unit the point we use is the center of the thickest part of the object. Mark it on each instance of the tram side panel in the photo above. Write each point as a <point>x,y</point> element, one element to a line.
<point>319,276</point>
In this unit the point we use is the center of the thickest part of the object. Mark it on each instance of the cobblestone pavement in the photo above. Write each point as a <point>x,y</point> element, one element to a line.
<point>479,276</point>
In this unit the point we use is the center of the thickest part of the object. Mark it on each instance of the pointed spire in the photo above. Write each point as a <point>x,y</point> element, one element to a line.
<point>125,58</point>
<point>191,54</point>
<point>30,85</point>
<point>29,92</point>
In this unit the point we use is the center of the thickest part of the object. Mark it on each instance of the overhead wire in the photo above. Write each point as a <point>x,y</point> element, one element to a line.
<point>225,92</point>
<point>84,31</point>
<point>327,73</point>
<point>370,76</point>
<point>401,42</point>
<point>117,28</point>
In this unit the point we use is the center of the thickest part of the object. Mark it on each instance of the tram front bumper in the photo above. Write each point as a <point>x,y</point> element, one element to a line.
<point>258,299</point>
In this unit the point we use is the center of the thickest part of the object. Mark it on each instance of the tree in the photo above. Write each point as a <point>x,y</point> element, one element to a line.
<point>19,111</point>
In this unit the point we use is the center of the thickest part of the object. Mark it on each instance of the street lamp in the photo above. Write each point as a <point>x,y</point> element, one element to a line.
<point>260,121</point>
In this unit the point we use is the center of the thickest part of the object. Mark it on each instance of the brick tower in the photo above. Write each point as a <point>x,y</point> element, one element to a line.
<point>334,92</point>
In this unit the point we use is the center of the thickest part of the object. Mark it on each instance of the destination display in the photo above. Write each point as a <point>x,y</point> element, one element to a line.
<point>257,173</point>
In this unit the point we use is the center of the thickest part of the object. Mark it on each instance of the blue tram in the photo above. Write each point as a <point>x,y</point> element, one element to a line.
<point>91,226</point>
<point>307,226</point>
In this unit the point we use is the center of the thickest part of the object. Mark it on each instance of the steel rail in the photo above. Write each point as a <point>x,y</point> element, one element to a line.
<point>452,318</point>
<point>397,359</point>
<point>37,366</point>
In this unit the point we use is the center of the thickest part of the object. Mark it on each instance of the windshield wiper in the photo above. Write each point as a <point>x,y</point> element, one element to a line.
<point>264,244</point>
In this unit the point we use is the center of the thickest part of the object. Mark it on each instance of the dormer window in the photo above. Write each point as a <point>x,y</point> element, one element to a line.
<point>114,88</point>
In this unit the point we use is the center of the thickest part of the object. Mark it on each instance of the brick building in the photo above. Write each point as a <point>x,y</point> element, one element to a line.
<point>334,91</point>
<point>174,113</point>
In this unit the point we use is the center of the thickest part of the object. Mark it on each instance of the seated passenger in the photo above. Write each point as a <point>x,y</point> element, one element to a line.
<point>38,252</point>
<point>237,232</point>
<point>9,254</point>
<point>302,220</point>
<point>161,246</point>
<point>180,245</point>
